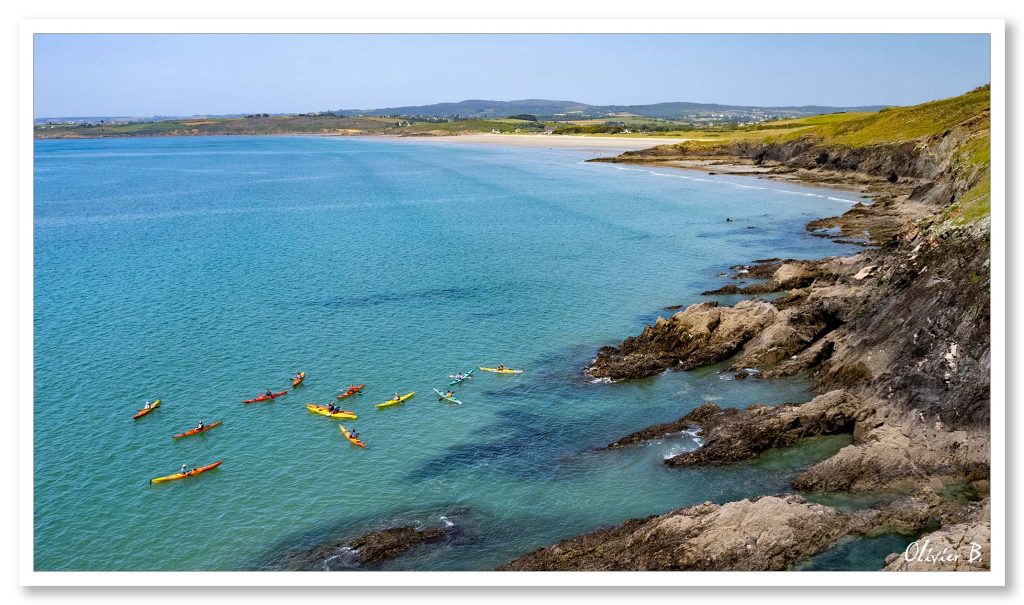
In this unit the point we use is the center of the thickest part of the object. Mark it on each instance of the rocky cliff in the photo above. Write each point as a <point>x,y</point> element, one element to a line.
<point>896,339</point>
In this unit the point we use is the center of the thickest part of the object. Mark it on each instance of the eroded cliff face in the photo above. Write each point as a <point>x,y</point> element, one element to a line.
<point>896,339</point>
<point>920,162</point>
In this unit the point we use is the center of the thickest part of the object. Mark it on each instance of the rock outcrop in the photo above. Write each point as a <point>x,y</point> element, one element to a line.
<point>763,534</point>
<point>768,533</point>
<point>963,543</point>
<point>702,334</point>
<point>733,435</point>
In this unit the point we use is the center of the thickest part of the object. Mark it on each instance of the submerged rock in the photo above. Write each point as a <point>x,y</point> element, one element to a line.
<point>385,544</point>
<point>367,550</point>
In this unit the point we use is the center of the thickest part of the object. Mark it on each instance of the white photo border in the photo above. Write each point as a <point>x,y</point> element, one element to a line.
<point>27,574</point>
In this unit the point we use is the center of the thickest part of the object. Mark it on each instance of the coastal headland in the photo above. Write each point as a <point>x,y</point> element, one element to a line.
<point>894,339</point>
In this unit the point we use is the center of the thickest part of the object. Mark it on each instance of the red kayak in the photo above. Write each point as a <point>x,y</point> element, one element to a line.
<point>352,390</point>
<point>196,431</point>
<point>265,397</point>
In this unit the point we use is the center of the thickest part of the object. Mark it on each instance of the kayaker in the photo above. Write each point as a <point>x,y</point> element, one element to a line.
<point>331,409</point>
<point>200,426</point>
<point>298,375</point>
<point>184,469</point>
<point>147,406</point>
<point>449,394</point>
<point>501,366</point>
<point>269,393</point>
<point>397,396</point>
<point>353,434</point>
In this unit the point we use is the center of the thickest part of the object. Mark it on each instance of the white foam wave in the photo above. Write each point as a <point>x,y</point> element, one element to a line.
<point>694,434</point>
<point>734,184</point>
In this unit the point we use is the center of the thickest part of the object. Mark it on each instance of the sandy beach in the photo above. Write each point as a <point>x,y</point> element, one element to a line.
<point>551,141</point>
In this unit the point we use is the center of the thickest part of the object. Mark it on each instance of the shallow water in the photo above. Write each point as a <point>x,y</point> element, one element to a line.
<point>857,553</point>
<point>200,271</point>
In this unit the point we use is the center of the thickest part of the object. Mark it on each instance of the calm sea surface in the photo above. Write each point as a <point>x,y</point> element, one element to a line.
<point>202,270</point>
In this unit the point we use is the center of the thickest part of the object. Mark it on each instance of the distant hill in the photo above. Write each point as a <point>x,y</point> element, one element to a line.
<point>479,108</point>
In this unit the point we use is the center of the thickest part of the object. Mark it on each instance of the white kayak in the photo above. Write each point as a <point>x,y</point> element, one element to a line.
<point>458,380</point>
<point>440,395</point>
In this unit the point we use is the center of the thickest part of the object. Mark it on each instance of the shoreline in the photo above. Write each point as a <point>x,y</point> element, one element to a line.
<point>602,144</point>
<point>736,167</point>
<point>551,141</point>
<point>919,433</point>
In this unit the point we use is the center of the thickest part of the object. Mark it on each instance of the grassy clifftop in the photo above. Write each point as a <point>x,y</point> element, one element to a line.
<point>945,141</point>
<point>888,126</point>
<point>901,124</point>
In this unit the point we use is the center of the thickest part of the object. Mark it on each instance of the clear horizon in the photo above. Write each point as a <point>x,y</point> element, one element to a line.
<point>142,75</point>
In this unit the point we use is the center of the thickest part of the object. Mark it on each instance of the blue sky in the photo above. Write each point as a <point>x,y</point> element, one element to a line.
<point>184,74</point>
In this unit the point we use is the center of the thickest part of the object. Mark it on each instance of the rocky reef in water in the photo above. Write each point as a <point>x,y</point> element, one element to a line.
<point>895,339</point>
<point>368,550</point>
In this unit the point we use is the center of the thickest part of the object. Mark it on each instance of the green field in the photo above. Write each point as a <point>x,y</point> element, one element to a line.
<point>228,126</point>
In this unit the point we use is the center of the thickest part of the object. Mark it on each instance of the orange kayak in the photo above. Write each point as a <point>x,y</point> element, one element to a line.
<point>297,381</point>
<point>145,411</point>
<point>196,431</point>
<point>351,439</point>
<point>191,473</point>
<point>265,397</point>
<point>352,390</point>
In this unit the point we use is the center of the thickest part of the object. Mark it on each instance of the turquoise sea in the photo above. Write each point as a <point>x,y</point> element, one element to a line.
<point>202,270</point>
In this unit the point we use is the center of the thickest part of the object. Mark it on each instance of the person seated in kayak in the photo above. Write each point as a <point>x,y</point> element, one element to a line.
<point>397,396</point>
<point>353,434</point>
<point>351,388</point>
<point>449,394</point>
<point>147,406</point>
<point>331,409</point>
<point>501,366</point>
<point>298,375</point>
<point>184,469</point>
<point>269,393</point>
<point>200,426</point>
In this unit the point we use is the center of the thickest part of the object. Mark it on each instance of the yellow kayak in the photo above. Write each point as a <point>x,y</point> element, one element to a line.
<point>322,410</point>
<point>191,473</point>
<point>391,402</point>
<point>352,440</point>
<point>145,411</point>
<point>504,371</point>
